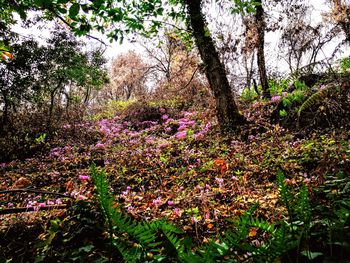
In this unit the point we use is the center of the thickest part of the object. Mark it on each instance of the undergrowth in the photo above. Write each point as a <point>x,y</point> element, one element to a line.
<point>249,238</point>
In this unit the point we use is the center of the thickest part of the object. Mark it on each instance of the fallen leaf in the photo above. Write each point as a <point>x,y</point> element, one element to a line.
<point>252,232</point>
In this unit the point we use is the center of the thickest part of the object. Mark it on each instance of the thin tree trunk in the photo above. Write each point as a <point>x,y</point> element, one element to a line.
<point>5,112</point>
<point>260,22</point>
<point>52,102</point>
<point>227,112</point>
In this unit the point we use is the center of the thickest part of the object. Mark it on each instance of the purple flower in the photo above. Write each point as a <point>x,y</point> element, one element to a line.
<point>170,203</point>
<point>165,117</point>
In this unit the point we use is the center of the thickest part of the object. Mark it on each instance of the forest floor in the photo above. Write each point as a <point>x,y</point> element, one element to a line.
<point>175,165</point>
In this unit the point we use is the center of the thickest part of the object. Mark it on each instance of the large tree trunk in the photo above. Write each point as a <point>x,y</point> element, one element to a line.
<point>227,112</point>
<point>260,24</point>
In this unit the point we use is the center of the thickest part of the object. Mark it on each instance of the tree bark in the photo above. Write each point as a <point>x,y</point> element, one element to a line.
<point>227,112</point>
<point>260,24</point>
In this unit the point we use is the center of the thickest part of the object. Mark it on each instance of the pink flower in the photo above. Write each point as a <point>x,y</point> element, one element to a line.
<point>181,127</point>
<point>194,220</point>
<point>177,212</point>
<point>250,137</point>
<point>49,202</point>
<point>84,177</point>
<point>219,180</point>
<point>191,123</point>
<point>276,98</point>
<point>10,205</point>
<point>165,117</point>
<point>181,135</point>
<point>199,136</point>
<point>307,180</point>
<point>256,104</point>
<point>53,174</point>
<point>42,204</point>
<point>58,202</point>
<point>157,201</point>
<point>104,130</point>
<point>170,203</point>
<point>162,110</point>
<point>189,114</point>
<point>168,130</point>
<point>99,146</point>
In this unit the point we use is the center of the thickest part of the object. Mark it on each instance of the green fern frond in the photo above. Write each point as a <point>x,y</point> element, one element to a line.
<point>139,238</point>
<point>316,98</point>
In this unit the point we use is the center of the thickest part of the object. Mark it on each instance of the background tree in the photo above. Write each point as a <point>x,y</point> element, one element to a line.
<point>260,29</point>
<point>128,77</point>
<point>174,67</point>
<point>47,74</point>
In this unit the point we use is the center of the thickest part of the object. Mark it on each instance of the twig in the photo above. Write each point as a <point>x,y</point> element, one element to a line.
<point>69,25</point>
<point>30,209</point>
<point>34,191</point>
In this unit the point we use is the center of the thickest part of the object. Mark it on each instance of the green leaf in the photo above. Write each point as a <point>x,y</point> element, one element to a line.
<point>86,248</point>
<point>62,10</point>
<point>74,10</point>
<point>311,255</point>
